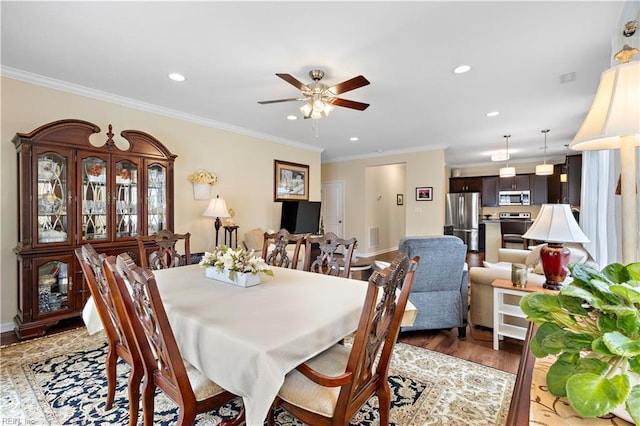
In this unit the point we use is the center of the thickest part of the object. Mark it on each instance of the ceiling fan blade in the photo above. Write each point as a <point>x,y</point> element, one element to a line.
<point>280,100</point>
<point>293,81</point>
<point>348,85</point>
<point>350,104</point>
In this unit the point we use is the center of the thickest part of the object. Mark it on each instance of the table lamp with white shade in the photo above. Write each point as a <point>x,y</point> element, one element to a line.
<point>217,208</point>
<point>555,225</point>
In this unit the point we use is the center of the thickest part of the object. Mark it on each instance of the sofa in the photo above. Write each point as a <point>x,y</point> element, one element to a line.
<point>440,285</point>
<point>481,311</point>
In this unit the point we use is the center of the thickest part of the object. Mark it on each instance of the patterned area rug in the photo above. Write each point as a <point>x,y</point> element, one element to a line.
<point>59,380</point>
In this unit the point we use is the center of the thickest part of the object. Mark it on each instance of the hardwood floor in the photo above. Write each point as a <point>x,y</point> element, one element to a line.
<point>477,347</point>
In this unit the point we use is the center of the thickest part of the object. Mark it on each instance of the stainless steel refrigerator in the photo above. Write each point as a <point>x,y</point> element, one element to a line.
<point>463,217</point>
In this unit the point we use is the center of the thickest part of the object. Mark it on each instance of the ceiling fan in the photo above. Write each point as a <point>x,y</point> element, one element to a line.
<point>321,97</point>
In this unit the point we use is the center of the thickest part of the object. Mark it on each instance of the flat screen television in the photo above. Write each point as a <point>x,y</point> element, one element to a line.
<point>300,217</point>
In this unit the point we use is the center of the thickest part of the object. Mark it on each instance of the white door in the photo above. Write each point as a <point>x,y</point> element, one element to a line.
<point>332,198</point>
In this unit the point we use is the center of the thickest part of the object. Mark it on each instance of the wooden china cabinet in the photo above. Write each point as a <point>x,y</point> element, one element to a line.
<point>72,192</point>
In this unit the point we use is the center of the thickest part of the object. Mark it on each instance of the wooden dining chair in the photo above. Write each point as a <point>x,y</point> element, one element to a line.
<point>331,387</point>
<point>164,367</point>
<point>325,261</point>
<point>163,253</point>
<point>279,256</point>
<point>119,337</point>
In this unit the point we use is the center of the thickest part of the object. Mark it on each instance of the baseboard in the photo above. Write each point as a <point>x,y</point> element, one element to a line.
<point>8,326</point>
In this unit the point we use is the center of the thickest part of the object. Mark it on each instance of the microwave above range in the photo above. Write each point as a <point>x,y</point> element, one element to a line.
<point>514,198</point>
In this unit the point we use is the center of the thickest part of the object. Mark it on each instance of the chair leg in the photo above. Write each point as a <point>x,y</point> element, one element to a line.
<point>462,332</point>
<point>110,364</point>
<point>148,393</point>
<point>134,395</point>
<point>384,403</point>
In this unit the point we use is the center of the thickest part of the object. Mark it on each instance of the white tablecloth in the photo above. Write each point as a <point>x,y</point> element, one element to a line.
<point>248,339</point>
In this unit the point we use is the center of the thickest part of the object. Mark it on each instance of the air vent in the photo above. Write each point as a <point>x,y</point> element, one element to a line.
<point>373,237</point>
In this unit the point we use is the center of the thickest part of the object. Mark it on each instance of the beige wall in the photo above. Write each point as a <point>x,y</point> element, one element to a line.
<point>425,168</point>
<point>244,165</point>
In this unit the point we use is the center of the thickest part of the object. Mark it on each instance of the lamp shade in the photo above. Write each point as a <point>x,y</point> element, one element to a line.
<point>615,111</point>
<point>555,223</point>
<point>507,172</point>
<point>544,169</point>
<point>217,208</point>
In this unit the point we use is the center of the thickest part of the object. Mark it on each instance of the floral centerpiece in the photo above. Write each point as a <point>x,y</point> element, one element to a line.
<point>237,266</point>
<point>203,176</point>
<point>202,181</point>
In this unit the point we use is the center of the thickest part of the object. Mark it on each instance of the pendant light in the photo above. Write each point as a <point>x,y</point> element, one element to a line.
<point>565,172</point>
<point>507,171</point>
<point>544,169</point>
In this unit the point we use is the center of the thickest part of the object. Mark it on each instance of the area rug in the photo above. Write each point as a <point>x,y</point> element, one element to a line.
<point>60,380</point>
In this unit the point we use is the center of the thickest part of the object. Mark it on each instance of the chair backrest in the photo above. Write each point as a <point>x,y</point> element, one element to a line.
<point>163,246</point>
<point>514,227</point>
<point>326,261</point>
<point>442,265</point>
<point>377,333</point>
<point>91,264</point>
<point>148,321</point>
<point>279,256</point>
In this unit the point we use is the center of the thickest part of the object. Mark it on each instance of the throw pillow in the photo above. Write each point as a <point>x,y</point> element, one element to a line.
<point>533,258</point>
<point>254,239</point>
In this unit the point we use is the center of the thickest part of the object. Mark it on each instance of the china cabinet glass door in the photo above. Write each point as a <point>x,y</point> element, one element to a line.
<point>126,199</point>
<point>53,195</point>
<point>156,198</point>
<point>53,285</point>
<point>95,198</point>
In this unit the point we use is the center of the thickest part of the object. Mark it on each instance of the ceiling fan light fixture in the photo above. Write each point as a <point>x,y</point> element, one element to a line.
<point>306,109</point>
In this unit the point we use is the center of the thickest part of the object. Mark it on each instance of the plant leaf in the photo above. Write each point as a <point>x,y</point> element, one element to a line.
<point>620,344</point>
<point>536,342</point>
<point>616,272</point>
<point>633,404</point>
<point>633,269</point>
<point>558,375</point>
<point>538,304</point>
<point>627,292</point>
<point>592,395</point>
<point>592,365</point>
<point>634,364</point>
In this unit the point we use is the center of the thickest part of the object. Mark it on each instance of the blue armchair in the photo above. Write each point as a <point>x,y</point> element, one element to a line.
<point>441,282</point>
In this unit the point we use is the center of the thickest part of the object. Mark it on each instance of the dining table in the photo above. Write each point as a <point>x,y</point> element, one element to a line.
<point>246,339</point>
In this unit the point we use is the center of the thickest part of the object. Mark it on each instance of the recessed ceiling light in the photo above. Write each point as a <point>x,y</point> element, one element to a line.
<point>461,69</point>
<point>176,77</point>
<point>492,113</point>
<point>500,156</point>
<point>353,138</point>
<point>292,117</point>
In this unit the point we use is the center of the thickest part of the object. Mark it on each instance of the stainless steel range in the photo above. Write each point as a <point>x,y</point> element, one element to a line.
<point>515,215</point>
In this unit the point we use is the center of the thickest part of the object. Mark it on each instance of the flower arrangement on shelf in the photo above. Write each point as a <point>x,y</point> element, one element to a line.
<point>203,176</point>
<point>235,261</point>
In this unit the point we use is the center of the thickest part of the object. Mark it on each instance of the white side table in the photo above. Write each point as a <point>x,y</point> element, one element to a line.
<point>502,309</point>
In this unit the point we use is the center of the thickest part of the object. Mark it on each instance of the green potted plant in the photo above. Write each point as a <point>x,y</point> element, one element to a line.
<point>592,326</point>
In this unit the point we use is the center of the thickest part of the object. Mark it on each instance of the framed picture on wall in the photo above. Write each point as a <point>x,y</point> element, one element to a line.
<point>290,181</point>
<point>399,199</point>
<point>424,193</point>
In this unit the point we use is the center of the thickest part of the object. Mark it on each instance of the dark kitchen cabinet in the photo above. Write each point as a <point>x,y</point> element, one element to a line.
<point>490,191</point>
<point>515,183</point>
<point>538,189</point>
<point>465,184</point>
<point>566,192</point>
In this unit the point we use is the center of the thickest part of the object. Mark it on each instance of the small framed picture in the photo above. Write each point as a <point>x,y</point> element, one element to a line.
<point>399,199</point>
<point>424,193</point>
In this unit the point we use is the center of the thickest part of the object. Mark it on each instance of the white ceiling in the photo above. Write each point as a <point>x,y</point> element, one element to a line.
<point>230,52</point>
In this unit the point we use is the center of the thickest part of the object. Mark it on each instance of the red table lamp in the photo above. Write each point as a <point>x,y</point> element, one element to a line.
<point>555,225</point>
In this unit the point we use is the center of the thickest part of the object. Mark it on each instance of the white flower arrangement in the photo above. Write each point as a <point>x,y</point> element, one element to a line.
<point>203,176</point>
<point>235,260</point>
